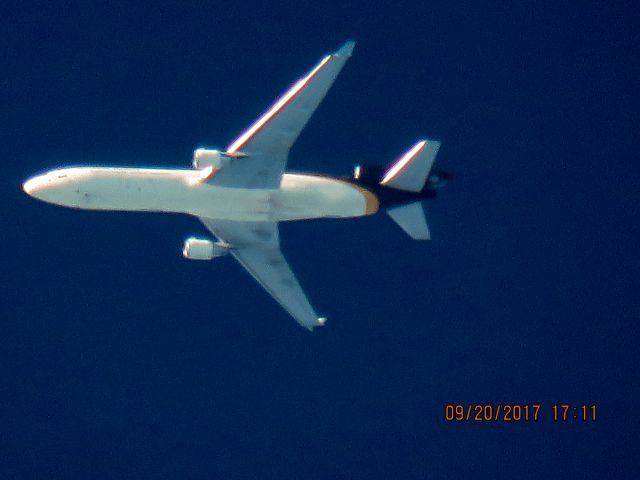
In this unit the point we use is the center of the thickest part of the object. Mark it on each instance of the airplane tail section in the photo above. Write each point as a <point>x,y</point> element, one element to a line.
<point>411,171</point>
<point>411,219</point>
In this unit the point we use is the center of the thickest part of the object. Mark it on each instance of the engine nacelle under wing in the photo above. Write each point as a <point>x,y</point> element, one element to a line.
<point>205,158</point>
<point>203,249</point>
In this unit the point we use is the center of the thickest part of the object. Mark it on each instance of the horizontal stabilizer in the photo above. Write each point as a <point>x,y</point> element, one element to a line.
<point>412,220</point>
<point>411,171</point>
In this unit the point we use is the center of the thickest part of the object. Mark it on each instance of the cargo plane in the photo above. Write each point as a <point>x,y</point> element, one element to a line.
<point>241,193</point>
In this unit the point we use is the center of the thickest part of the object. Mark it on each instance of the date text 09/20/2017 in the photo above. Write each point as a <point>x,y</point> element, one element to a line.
<point>519,412</point>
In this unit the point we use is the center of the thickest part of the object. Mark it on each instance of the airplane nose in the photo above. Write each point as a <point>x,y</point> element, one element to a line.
<point>41,187</point>
<point>52,187</point>
<point>33,185</point>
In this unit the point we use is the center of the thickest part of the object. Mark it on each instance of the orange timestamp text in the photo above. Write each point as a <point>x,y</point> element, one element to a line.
<point>516,412</point>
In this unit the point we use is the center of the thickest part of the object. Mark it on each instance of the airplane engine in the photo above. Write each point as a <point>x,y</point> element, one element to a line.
<point>366,174</point>
<point>203,249</point>
<point>204,158</point>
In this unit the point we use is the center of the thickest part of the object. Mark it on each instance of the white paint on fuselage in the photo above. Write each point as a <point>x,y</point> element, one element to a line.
<point>183,191</point>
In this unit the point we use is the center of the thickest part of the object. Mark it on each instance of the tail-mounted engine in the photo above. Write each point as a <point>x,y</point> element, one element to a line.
<point>367,175</point>
<point>203,249</point>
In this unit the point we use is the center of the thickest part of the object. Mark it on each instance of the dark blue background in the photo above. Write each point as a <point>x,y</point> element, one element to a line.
<point>122,360</point>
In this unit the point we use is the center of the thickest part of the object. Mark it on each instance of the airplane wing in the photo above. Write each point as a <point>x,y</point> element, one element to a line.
<point>262,150</point>
<point>256,246</point>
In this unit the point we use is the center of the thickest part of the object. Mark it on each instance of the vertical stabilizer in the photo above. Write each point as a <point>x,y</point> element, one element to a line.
<point>412,220</point>
<point>411,171</point>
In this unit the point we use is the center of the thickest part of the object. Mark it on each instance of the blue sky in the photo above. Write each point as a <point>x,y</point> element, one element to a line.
<point>121,359</point>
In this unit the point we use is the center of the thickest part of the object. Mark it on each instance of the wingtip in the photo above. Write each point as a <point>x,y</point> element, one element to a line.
<point>320,321</point>
<point>432,141</point>
<point>346,49</point>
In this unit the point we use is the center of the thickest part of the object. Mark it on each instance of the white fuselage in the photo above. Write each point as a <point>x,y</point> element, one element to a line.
<point>184,191</point>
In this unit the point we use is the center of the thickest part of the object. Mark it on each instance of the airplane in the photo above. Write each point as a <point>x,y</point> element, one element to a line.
<point>240,194</point>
